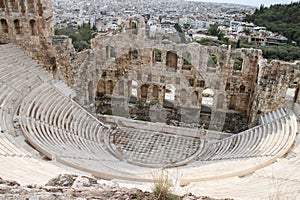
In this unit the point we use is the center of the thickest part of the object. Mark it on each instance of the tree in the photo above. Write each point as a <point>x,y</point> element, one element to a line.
<point>238,44</point>
<point>81,38</point>
<point>247,31</point>
<point>213,30</point>
<point>283,19</point>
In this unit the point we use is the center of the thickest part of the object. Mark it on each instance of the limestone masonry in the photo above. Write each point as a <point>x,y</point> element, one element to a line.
<point>241,80</point>
<point>51,97</point>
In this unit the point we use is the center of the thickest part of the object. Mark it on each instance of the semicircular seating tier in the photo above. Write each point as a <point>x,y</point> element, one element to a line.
<point>19,74</point>
<point>62,130</point>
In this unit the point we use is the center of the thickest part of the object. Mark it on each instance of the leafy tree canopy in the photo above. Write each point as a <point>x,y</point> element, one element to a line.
<point>81,38</point>
<point>283,19</point>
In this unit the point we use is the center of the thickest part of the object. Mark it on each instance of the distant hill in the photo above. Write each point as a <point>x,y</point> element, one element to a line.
<point>283,19</point>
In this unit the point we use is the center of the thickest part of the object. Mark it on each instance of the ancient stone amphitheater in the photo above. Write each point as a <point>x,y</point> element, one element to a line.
<point>37,111</point>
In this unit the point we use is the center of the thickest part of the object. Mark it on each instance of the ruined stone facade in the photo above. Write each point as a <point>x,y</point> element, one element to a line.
<point>129,67</point>
<point>197,81</point>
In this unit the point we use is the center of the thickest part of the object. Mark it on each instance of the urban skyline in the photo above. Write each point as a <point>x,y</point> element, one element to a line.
<point>255,3</point>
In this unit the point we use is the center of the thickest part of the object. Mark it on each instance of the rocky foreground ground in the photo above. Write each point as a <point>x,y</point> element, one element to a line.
<point>71,187</point>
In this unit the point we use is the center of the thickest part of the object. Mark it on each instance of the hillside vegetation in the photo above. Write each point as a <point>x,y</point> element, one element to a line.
<point>81,37</point>
<point>283,19</point>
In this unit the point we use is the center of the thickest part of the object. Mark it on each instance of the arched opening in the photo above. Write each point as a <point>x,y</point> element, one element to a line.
<point>183,96</point>
<point>169,96</point>
<point>101,88</point>
<point>4,26</point>
<point>157,55</point>
<point>238,64</point>
<point>291,96</point>
<point>194,98</point>
<point>33,27</point>
<point>18,27</point>
<point>201,83</point>
<point>208,97</point>
<point>2,5</point>
<point>242,89</point>
<point>207,100</point>
<point>133,54</point>
<point>110,52</point>
<point>171,60</point>
<point>155,92</point>
<point>133,86</point>
<point>30,6</point>
<point>187,58</point>
<point>187,61</point>
<point>212,63</point>
<point>134,26</point>
<point>144,92</point>
<point>54,64</point>
<point>191,82</point>
<point>227,86</point>
<point>14,5</point>
<point>110,87</point>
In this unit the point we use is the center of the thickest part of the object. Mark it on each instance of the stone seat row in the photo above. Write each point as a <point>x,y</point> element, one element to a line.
<point>264,140</point>
<point>16,82</point>
<point>66,116</point>
<point>65,132</point>
<point>248,188</point>
<point>18,73</point>
<point>60,129</point>
<point>61,86</point>
<point>263,151</point>
<point>58,121</point>
<point>61,113</point>
<point>8,148</point>
<point>272,115</point>
<point>29,170</point>
<point>276,181</point>
<point>9,100</point>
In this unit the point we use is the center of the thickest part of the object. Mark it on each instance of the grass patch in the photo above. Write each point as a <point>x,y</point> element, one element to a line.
<point>162,186</point>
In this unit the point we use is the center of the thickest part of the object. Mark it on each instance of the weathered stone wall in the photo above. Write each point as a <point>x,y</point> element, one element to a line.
<point>65,59</point>
<point>29,23</point>
<point>274,79</point>
<point>133,59</point>
<point>129,67</point>
<point>255,89</point>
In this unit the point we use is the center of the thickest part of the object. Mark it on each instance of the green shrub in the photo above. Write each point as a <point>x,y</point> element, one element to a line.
<point>107,112</point>
<point>81,38</point>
